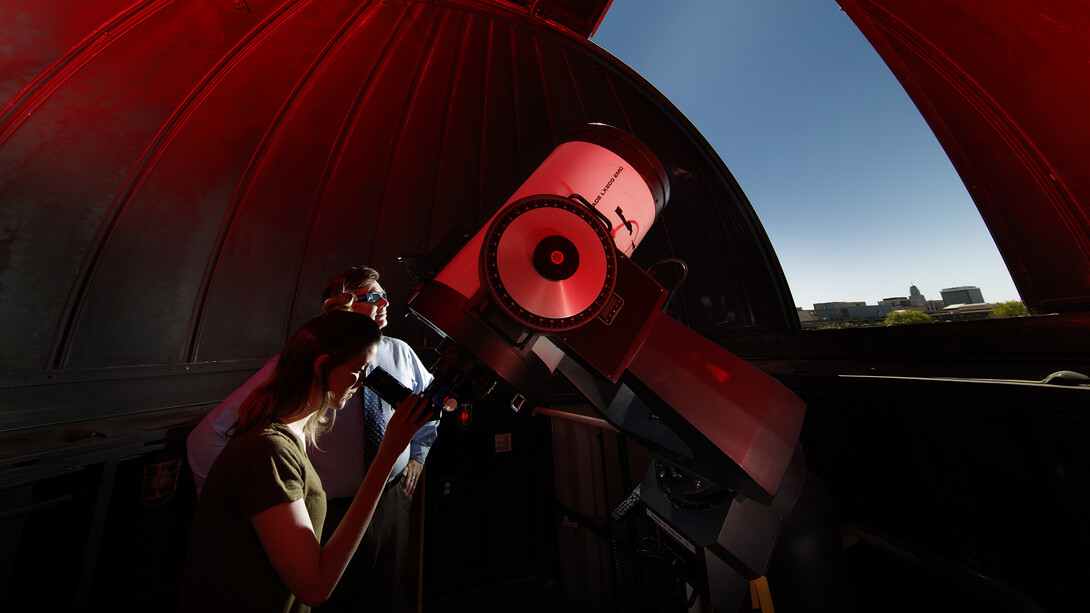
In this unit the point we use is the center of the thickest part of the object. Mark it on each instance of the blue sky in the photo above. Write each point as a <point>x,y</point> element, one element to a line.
<point>858,198</point>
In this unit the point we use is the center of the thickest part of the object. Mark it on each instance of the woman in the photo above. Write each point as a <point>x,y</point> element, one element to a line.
<point>253,544</point>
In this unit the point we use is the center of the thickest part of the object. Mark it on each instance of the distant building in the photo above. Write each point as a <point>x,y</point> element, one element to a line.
<point>966,294</point>
<point>836,305</point>
<point>806,316</point>
<point>856,312</point>
<point>896,302</point>
<point>915,298</point>
<point>914,301</point>
<point>965,312</point>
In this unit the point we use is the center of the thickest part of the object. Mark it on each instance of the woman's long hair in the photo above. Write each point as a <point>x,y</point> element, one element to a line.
<point>342,335</point>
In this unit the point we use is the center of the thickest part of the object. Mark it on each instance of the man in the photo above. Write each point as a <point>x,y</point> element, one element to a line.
<point>374,577</point>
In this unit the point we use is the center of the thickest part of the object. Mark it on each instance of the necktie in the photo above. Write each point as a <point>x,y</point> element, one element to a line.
<point>374,426</point>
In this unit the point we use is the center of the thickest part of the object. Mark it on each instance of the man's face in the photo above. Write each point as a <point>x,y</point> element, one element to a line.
<point>374,310</point>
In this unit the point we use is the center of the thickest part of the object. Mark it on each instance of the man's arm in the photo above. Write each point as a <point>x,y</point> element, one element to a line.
<point>210,436</point>
<point>423,440</point>
<point>412,373</point>
<point>407,368</point>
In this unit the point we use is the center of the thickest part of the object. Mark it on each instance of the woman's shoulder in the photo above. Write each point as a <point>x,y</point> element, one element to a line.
<point>267,436</point>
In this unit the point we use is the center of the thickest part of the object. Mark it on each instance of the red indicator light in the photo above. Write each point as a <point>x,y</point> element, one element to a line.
<point>465,419</point>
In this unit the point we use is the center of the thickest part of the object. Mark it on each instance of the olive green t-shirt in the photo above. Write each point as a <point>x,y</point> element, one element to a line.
<point>226,566</point>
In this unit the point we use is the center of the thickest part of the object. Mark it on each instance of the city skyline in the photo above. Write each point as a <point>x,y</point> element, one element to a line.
<point>852,187</point>
<point>906,295</point>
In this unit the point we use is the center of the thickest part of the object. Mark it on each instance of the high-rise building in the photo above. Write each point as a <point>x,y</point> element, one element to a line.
<point>915,298</point>
<point>965,294</point>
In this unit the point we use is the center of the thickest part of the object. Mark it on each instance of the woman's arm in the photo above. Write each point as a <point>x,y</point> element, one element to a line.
<point>309,570</point>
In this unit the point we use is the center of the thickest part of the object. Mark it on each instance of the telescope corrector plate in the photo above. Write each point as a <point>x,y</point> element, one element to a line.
<point>521,290</point>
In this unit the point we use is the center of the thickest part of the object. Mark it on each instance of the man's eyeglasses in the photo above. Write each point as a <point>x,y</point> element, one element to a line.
<point>371,297</point>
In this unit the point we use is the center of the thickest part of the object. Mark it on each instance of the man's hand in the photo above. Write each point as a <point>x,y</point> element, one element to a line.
<point>410,476</point>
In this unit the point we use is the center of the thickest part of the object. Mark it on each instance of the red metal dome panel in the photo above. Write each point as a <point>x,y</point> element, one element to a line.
<point>180,178</point>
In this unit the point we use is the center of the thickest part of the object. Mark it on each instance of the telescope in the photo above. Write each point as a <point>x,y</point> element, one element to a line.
<point>548,287</point>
